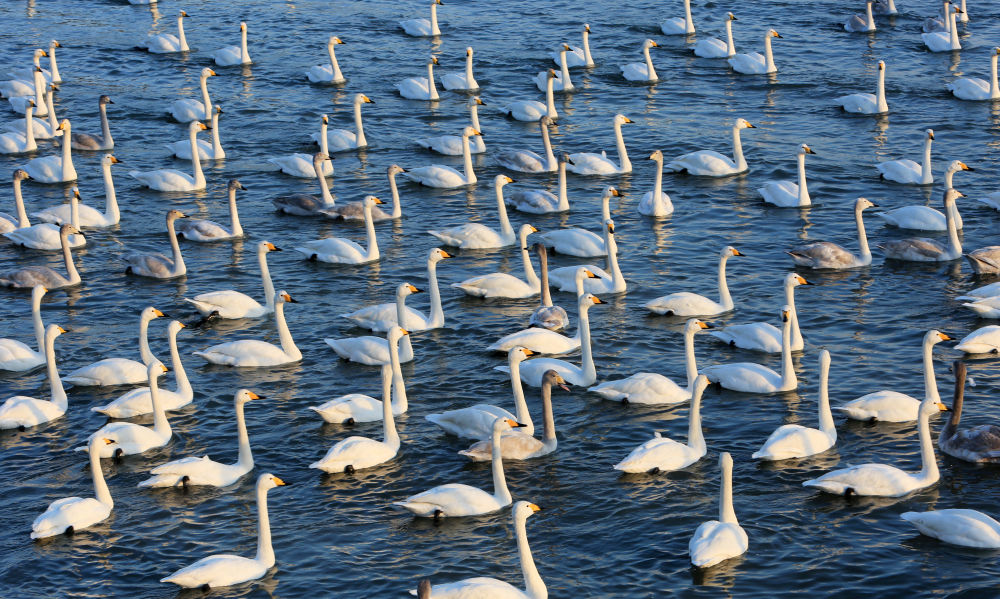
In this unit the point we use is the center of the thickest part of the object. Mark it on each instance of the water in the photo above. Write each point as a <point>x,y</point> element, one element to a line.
<point>600,534</point>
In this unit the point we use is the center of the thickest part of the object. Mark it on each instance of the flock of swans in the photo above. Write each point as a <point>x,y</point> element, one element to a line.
<point>537,351</point>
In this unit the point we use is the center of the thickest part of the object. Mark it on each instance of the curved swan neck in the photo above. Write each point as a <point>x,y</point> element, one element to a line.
<point>359,128</point>
<point>180,34</point>
<point>29,129</point>
<point>287,343</point>
<point>101,491</point>
<point>111,212</point>
<point>803,188</point>
<point>550,96</point>
<point>741,163</point>
<point>105,127</point>
<point>234,215</point>
<point>244,52</point>
<point>788,380</point>
<point>696,440</point>
<point>930,380</point>
<point>470,175</point>
<point>432,92</point>
<point>926,176</point>
<point>550,157</point>
<point>180,376</point>
<point>688,21</point>
<point>624,164</point>
<point>324,188</point>
<point>372,250</point>
<point>866,253</point>
<point>730,47</point>
<point>563,196</point>
<point>955,45</point>
<point>334,65</point>
<point>500,491</point>
<point>869,18</point>
<point>53,122</point>
<point>520,404</point>
<point>265,277</point>
<point>217,151</point>
<point>389,434</point>
<point>649,63</point>
<point>689,357</point>
<point>589,370</point>
<point>57,393</point>
<point>434,20</point>
<point>179,267</point>
<point>205,99</point>
<point>199,177</point>
<point>506,230</point>
<point>880,101</point>
<point>397,208</point>
<point>826,424</point>
<point>548,419</point>
<point>724,298</point>
<point>54,67</point>
<point>543,265</point>
<point>400,403</point>
<point>612,262</point>
<point>768,55</point>
<point>437,311</point>
<point>22,214</point>
<point>726,512</point>
<point>144,353</point>
<point>245,459</point>
<point>793,314</point>
<point>36,319</point>
<point>265,553</point>
<point>533,584</point>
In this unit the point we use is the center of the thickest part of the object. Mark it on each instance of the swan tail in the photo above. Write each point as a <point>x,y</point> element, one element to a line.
<point>162,480</point>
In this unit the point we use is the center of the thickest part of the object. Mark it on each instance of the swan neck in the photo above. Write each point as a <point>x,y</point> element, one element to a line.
<point>68,172</point>
<point>624,164</point>
<point>144,352</point>
<point>651,72</point>
<point>929,471</point>
<point>804,199</point>
<point>199,177</point>
<point>658,185</point>
<point>216,142</point>
<point>245,459</point>
<point>180,376</point>
<point>506,230</point>
<point>29,129</point>
<point>500,491</point>
<point>543,265</point>
<point>389,434</point>
<point>265,277</point>
<point>360,140</point>
<point>434,20</point>
<point>161,426</point>
<point>955,45</point>
<point>741,163</point>
<point>111,212</point>
<point>437,310</point>
<point>724,298</point>
<point>956,411</point>
<point>265,553</point>
<point>730,47</point>
<point>180,34</point>
<point>334,65</point>
<point>550,97</point>
<point>22,214</point>
<point>550,157</point>
<point>869,18</point>
<point>589,370</point>
<point>994,86</point>
<point>397,208</point>
<point>470,175</point>
<point>688,21</point>
<point>105,127</point>
<point>882,105</point>
<point>400,403</point>
<point>234,214</point>
<point>606,207</point>
<point>866,253</point>
<point>175,247</point>
<point>587,58</point>
<point>567,84</point>
<point>205,99</point>
<point>954,243</point>
<point>71,273</point>
<point>726,512</point>
<point>788,380</point>
<point>58,394</point>
<point>926,176</point>
<point>469,79</point>
<point>534,586</point>
<point>244,53</point>
<point>548,419</point>
<point>324,187</point>
<point>793,314</point>
<point>287,343</point>
<point>36,320</point>
<point>696,440</point>
<point>529,270</point>
<point>54,67</point>
<point>372,252</point>
<point>826,424</point>
<point>689,357</point>
<point>101,491</point>
<point>53,122</point>
<point>769,56</point>
<point>432,92</point>
<point>930,380</point>
<point>520,404</point>
<point>563,196</point>
<point>612,262</point>
<point>39,80</point>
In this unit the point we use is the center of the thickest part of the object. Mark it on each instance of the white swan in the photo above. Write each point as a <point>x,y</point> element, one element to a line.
<point>155,264</point>
<point>921,249</point>
<point>527,161</point>
<point>868,103</point>
<point>253,353</point>
<point>791,441</point>
<point>88,216</point>
<point>301,165</point>
<point>16,356</point>
<point>715,48</point>
<point>973,88</point>
<point>187,110</point>
<point>36,98</point>
<point>925,218</point>
<point>678,25</point>
<point>119,371</point>
<point>826,254</point>
<point>169,179</point>
<point>375,351</point>
<point>685,303</point>
<point>20,218</point>
<point>561,82</point>
<point>750,377</point>
<point>985,308</point>
<point>533,110</point>
<point>21,412</point>
<point>541,201</point>
<point>206,150</point>
<point>708,163</point>
<point>232,55</point>
<point>944,41</point>
<point>584,375</point>
<point>420,88</point>
<point>881,480</point>
<point>138,401</point>
<point>340,250</point>
<point>861,23</point>
<point>986,291</point>
<point>202,471</point>
<point>51,76</point>
<point>42,129</point>
<point>29,276</point>
<point>54,169</point>
<point>70,514</point>
<point>26,75</point>
<point>233,304</point>
<point>574,241</point>
<point>892,406</point>
<point>131,438</point>
<point>642,71</point>
<point>476,236</point>
<point>462,81</point>
<point>45,236</point>
<point>655,203</point>
<point>328,73</point>
<point>542,340</point>
<point>908,171</point>
<point>661,454</point>
<point>752,63</point>
<point>451,145</point>
<point>104,141</point>
<point>715,541</point>
<point>382,317</point>
<point>955,526</point>
<point>587,163</point>
<point>303,204</point>
<point>340,140</point>
<point>764,336</point>
<point>789,194</point>
<point>167,43</point>
<point>445,177</point>
<point>423,27</point>
<point>224,570</point>
<point>606,282</point>
<point>458,500</point>
<point>501,284</point>
<point>21,142</point>
<point>196,229</point>
<point>940,22</point>
<point>576,57</point>
<point>981,341</point>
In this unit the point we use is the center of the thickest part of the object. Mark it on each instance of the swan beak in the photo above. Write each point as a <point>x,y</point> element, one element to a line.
<point>337,40</point>
<point>114,160</point>
<point>62,330</point>
<point>566,47</point>
<point>569,160</point>
<point>253,395</point>
<point>514,423</point>
<point>165,369</point>
<point>966,167</point>
<point>534,507</point>
<point>445,254</point>
<point>804,282</point>
<point>736,252</point>
<point>509,180</point>
<point>930,135</point>
<point>750,125</point>
<point>76,193</point>
<point>732,17</point>
<point>873,204</point>
<point>480,102</point>
<point>628,120</point>
<point>655,45</point>
<point>290,299</point>
<point>808,150</point>
<point>943,408</point>
<point>776,35</point>
<point>183,14</point>
<point>109,441</point>
<point>590,275</point>
<point>596,300</point>
<point>377,201</point>
<point>784,316</point>
<point>414,289</point>
<point>368,100</point>
<point>527,351</point>
<point>326,121</point>
<point>615,192</point>
<point>158,313</point>
<point>704,325</point>
<point>611,227</point>
<point>273,248</point>
<point>211,73</point>
<point>533,229</point>
<point>944,337</point>
<point>434,59</point>
<point>279,482</point>
<point>44,53</point>
<point>477,132</point>
<point>586,27</point>
<point>405,332</point>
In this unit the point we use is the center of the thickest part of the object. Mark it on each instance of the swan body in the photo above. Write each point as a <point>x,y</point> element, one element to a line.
<point>982,341</point>
<point>194,229</point>
<point>420,88</point>
<point>715,541</point>
<point>252,353</point>
<point>168,43</point>
<point>29,276</point>
<point>715,48</point>
<point>861,23</point>
<point>16,356</point>
<point>908,171</point>
<point>986,307</point>
<point>684,303</point>
<point>975,89</point>
<point>104,141</point>
<point>599,164</point>
<point>533,110</point>
<point>54,169</point>
<point>174,180</point>
<point>561,81</point>
<point>661,454</point>
<point>372,351</point>
<point>423,27</point>
<point>564,278</point>
<point>753,63</point>
<point>445,177</point>
<point>978,444</point>
<point>585,375</point>
<point>764,336</point>
<point>540,201</point>
<point>233,55</point>
<point>340,250</point>
<point>527,161</point>
<point>20,142</point>
<point>789,194</point>
<point>867,103</point>
<point>462,81</point>
<point>71,514</point>
<point>35,98</point>
<point>232,304</point>
<point>46,236</point>
<point>301,165</point>
<point>792,441</point>
<point>678,25</point>
<point>328,73</point>
<point>20,412</point>
<point>641,71</point>
<point>41,129</point>
<point>340,140</point>
<point>206,151</point>
<point>540,338</point>
<point>919,249</point>
<point>576,57</point>
<point>300,204</point>
<point>925,218</point>
<point>985,260</point>
<point>655,203</point>
<point>356,407</point>
<point>119,371</point>
<point>965,528</point>
<point>986,291</point>
<point>708,163</point>
<point>476,236</point>
<point>944,41</point>
<point>451,145</point>
<point>156,265</point>
<point>88,216</point>
<point>187,110</point>
<point>501,284</point>
<point>575,241</point>
<point>131,438</point>
<point>828,255</point>
<point>750,377</point>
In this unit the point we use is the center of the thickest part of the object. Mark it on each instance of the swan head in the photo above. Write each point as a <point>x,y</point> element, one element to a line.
<point>586,27</point>
<point>395,169</point>
<point>155,370</point>
<point>744,124</point>
<point>583,272</point>
<point>546,121</point>
<point>476,101</point>
<point>363,99</point>
<point>501,424</point>
<point>470,131</point>
<point>523,509</point>
<point>731,17</point>
<point>182,15</point>
<point>437,255</point>
<point>395,334</point>
<point>207,72</point>
<point>109,159</point>
<point>773,33</point>
<point>40,53</point>
<point>326,120</point>
<point>501,180</point>
<point>371,201</point>
<point>656,155</point>
<point>149,313</point>
<point>235,184</point>
<point>99,441</point>
<point>518,354</point>
<point>565,158</point>
<point>610,191</point>
<point>696,325</point>
<point>731,251</point>
<point>76,195</point>
<point>54,44</point>
<point>468,51</point>
<point>438,2</point>
<point>930,134</point>
<point>197,126</point>
<point>406,289</point>
<point>269,481</point>
<point>266,246</point>
<point>526,230</point>
<point>243,26</point>
<point>805,149</point>
<point>64,126</point>
<point>67,230</point>
<point>621,119</point>
<point>551,74</point>
<point>929,407</point>
<point>934,337</point>
<point>610,225</point>
<point>175,327</point>
<point>588,299</point>
<point>333,41</point>
<point>862,203</point>
<point>245,396</point>
<point>53,330</point>
<point>552,378</point>
<point>319,157</point>
<point>950,195</point>
<point>38,291</point>
<point>284,298</point>
<point>881,65</point>
<point>795,280</point>
<point>218,111</point>
<point>786,312</point>
<point>434,60</point>
<point>958,165</point>
<point>21,174</point>
<point>173,215</point>
<point>996,51</point>
<point>566,48</point>
<point>649,44</point>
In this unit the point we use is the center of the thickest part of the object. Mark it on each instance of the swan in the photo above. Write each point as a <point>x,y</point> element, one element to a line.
<point>70,514</point>
<point>527,161</point>
<point>764,336</point>
<point>54,169</point>
<point>16,356</point>
<point>491,587</point>
<point>881,480</point>
<point>327,73</point>
<point>88,216</point>
<point>8,222</point>
<point>587,163</point>
<point>169,179</point>
<point>462,81</point>
<point>867,103</point>
<point>678,25</point>
<point>17,142</point>
<point>925,218</point>
<point>826,254</point>
<point>104,141</point>
<point>137,401</point>
<point>985,260</point>
<point>561,82</point>
<point>22,80</point>
<point>301,165</point>
<point>187,110</point>
<point>359,453</point>
<point>155,264</point>
<point>655,203</point>
<point>973,88</point>
<point>233,304</point>
<point>962,527</point>
<point>375,351</point>
<point>206,151</point>
<point>542,340</point>
<point>340,250</point>
<point>752,63</point>
<point>750,377</point>
<point>42,129</point>
<point>423,27</point>
<point>861,23</point>
<point>886,7</point>
<point>195,471</point>
<point>131,438</point>
<point>522,445</point>
<point>45,236</point>
<point>110,372</point>
<point>979,444</point>
<point>420,88</point>
<point>892,406</point>
<point>789,194</point>
<point>339,140</point>
<point>445,177</point>
<point>500,284</point>
<point>476,236</point>
<point>715,48</point>
<point>168,43</point>
<point>232,55</point>
<point>791,441</point>
<point>986,291</point>
<point>52,73</point>
<point>382,317</point>
<point>576,57</point>
<point>548,316</point>
<point>302,204</point>
<point>605,282</point>
<point>458,500</point>
<point>252,353</point>
<point>540,201</point>
<point>985,308</point>
<point>196,229</point>
<point>574,241</point>
<point>224,570</point>
<point>356,210</point>
<point>642,71</point>
<point>944,41</point>
<point>982,341</point>
<point>36,98</point>
<point>20,412</point>
<point>715,541</point>
<point>920,249</point>
<point>29,276</point>
<point>533,110</point>
<point>661,454</point>
<point>708,163</point>
<point>685,303</point>
<point>354,407</point>
<point>908,171</point>
<point>451,145</point>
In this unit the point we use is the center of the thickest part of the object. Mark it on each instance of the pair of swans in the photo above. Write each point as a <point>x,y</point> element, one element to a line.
<point>21,412</point>
<point>544,340</point>
<point>154,264</point>
<point>606,281</point>
<point>131,438</point>
<point>753,63</point>
<point>462,81</point>
<point>503,285</point>
<point>861,23</point>
<point>574,241</point>
<point>715,48</point>
<point>451,145</point>
<point>253,353</point>
<point>575,57</point>
<point>533,110</point>
<point>982,341</point>
<point>30,93</point>
<point>233,55</point>
<point>477,236</point>
<point>586,163</point>
<point>21,142</point>
<point>764,336</point>
<point>41,129</point>
<point>301,165</point>
<point>829,255</point>
<point>55,169</point>
<point>420,88</point>
<point>19,219</point>
<point>446,177</point>
<point>70,514</point>
<point>203,471</point>
<point>708,163</point>
<point>29,276</point>
<point>51,74</point>
<point>526,161</point>
<point>168,43</point>
<point>750,377</point>
<point>678,25</point>
<point>173,180</point>
<point>685,303</point>
<point>328,73</point>
<point>376,351</point>
<point>547,315</point>
<point>908,171</point>
<point>340,250</point>
<point>541,201</point>
<point>231,304</point>
<point>201,230</point>
<point>45,236</point>
<point>873,104</point>
<point>560,81</point>
<point>423,27</point>
<point>978,444</point>
<point>87,216</point>
<point>340,140</point>
<point>715,541</point>
<point>104,141</point>
<point>187,110</point>
<point>642,71</point>
<point>111,372</point>
<point>922,249</point>
<point>789,194</point>
<point>16,356</point>
<point>925,218</point>
<point>973,88</point>
<point>206,150</point>
<point>945,41</point>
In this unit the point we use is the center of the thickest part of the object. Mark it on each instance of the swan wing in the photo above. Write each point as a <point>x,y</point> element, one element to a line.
<point>714,542</point>
<point>901,171</point>
<point>659,453</point>
<point>17,356</point>
<point>793,441</point>
<point>78,512</point>
<point>575,242</point>
<point>217,571</point>
<point>451,500</point>
<point>970,88</point>
<point>437,175</point>
<point>538,340</point>
<point>586,163</point>
<point>373,351</point>
<point>757,335</point>
<point>747,377</point>
<point>497,284</point>
<point>878,480</point>
<point>202,230</point>
<point>514,445</point>
<point>685,304</point>
<point>524,161</point>
<point>711,48</point>
<point>526,110</point>
<point>704,163</point>
<point>228,303</point>
<point>471,236</point>
<point>885,406</point>
<point>751,63</point>
<point>246,352</point>
<point>359,452</point>
<point>360,408</point>
<point>967,528</point>
<point>823,254</point>
<point>20,411</point>
<point>28,277</point>
<point>981,341</point>
<point>916,249</point>
<point>923,218</point>
<point>859,103</point>
<point>109,371</point>
<point>474,422</point>
<point>643,388</point>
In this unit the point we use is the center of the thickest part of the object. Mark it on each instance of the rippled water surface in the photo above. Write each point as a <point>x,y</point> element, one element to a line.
<point>600,534</point>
